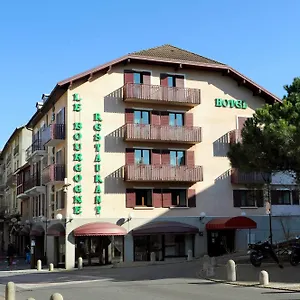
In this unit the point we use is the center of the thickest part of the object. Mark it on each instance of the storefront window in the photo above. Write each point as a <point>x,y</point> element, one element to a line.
<point>174,245</point>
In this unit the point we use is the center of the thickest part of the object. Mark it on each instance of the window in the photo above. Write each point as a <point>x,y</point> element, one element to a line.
<point>144,198</point>
<point>175,119</point>
<point>248,198</point>
<point>179,198</point>
<point>281,197</point>
<point>60,199</point>
<point>177,158</point>
<point>171,81</point>
<point>142,156</point>
<point>141,117</point>
<point>137,78</point>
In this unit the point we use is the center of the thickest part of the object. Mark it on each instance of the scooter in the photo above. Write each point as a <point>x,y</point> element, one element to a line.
<point>260,251</point>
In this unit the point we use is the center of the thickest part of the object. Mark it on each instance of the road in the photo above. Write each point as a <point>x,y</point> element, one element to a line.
<point>163,282</point>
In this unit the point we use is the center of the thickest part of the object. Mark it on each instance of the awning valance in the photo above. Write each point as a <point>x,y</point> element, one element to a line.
<point>231,223</point>
<point>37,230</point>
<point>56,229</point>
<point>99,229</point>
<point>164,227</point>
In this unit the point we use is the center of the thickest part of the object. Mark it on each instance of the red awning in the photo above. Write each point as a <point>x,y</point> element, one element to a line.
<point>37,230</point>
<point>99,229</point>
<point>165,227</point>
<point>56,229</point>
<point>231,223</point>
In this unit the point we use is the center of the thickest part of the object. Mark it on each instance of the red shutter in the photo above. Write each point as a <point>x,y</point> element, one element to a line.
<point>157,198</point>
<point>164,79</point>
<point>240,124</point>
<point>167,198</point>
<point>164,118</point>
<point>191,198</point>
<point>155,157</point>
<point>128,77</point>
<point>129,159</point>
<point>179,80</point>
<point>155,118</point>
<point>165,157</point>
<point>129,116</point>
<point>189,120</point>
<point>190,158</point>
<point>146,78</point>
<point>130,198</point>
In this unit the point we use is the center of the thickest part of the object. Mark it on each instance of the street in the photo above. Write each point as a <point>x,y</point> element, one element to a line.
<point>173,281</point>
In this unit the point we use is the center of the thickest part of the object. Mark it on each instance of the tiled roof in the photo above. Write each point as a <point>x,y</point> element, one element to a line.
<point>172,52</point>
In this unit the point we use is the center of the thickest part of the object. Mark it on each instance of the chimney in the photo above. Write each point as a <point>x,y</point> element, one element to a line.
<point>39,105</point>
<point>45,97</point>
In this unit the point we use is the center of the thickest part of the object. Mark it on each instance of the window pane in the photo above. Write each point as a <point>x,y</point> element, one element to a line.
<point>137,156</point>
<point>137,117</point>
<point>170,81</point>
<point>180,158</point>
<point>146,157</point>
<point>137,78</point>
<point>145,117</point>
<point>173,158</point>
<point>172,119</point>
<point>179,119</point>
<point>182,198</point>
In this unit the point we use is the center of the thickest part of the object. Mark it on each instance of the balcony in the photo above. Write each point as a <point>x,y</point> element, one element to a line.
<point>35,151</point>
<point>11,180</point>
<point>54,134</point>
<point>158,133</point>
<point>147,93</point>
<point>163,173</point>
<point>235,136</point>
<point>238,177</point>
<point>33,186</point>
<point>21,193</point>
<point>54,174</point>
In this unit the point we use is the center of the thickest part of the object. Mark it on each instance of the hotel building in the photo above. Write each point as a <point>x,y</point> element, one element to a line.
<point>129,158</point>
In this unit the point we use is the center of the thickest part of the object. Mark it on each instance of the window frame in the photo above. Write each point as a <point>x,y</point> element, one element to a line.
<point>142,151</point>
<point>141,111</point>
<point>177,151</point>
<point>175,119</point>
<point>176,193</point>
<point>149,193</point>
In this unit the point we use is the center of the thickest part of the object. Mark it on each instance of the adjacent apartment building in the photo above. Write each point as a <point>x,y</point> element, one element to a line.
<point>129,158</point>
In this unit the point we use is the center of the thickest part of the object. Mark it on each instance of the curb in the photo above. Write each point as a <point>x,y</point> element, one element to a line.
<point>255,285</point>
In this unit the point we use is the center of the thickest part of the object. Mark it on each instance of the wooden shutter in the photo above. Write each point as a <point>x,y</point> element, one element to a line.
<point>129,156</point>
<point>128,77</point>
<point>236,198</point>
<point>240,124</point>
<point>275,197</point>
<point>164,118</point>
<point>190,158</point>
<point>259,194</point>
<point>164,80</point>
<point>146,78</point>
<point>165,157</point>
<point>295,195</point>
<point>179,80</point>
<point>157,198</point>
<point>192,198</point>
<point>189,120</point>
<point>155,118</point>
<point>155,157</point>
<point>167,198</point>
<point>130,198</point>
<point>129,116</point>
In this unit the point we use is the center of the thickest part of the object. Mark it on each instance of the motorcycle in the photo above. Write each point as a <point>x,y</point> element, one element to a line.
<point>294,254</point>
<point>260,251</point>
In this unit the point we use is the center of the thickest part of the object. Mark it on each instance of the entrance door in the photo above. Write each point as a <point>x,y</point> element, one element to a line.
<point>220,242</point>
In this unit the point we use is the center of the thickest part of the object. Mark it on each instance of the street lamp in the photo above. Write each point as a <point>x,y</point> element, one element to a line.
<point>60,217</point>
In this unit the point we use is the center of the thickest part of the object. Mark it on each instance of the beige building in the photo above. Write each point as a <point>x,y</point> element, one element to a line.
<point>129,158</point>
<point>11,158</point>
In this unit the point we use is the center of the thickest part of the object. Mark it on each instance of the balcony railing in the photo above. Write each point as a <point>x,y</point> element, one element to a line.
<point>54,133</point>
<point>35,146</point>
<point>54,173</point>
<point>157,93</point>
<point>158,133</point>
<point>163,173</point>
<point>239,177</point>
<point>33,181</point>
<point>235,136</point>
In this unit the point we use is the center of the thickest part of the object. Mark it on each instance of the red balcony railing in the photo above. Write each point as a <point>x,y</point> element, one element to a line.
<point>163,173</point>
<point>157,93</point>
<point>35,146</point>
<point>54,132</point>
<point>158,133</point>
<point>239,177</point>
<point>31,182</point>
<point>54,173</point>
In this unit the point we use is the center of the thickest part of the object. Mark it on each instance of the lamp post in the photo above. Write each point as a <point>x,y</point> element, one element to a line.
<point>32,243</point>
<point>46,221</point>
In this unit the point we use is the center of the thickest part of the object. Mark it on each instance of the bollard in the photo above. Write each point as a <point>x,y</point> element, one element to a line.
<point>210,271</point>
<point>231,271</point>
<point>190,255</point>
<point>264,278</point>
<point>213,261</point>
<point>80,264</point>
<point>39,265</point>
<point>51,267</point>
<point>10,291</point>
<point>56,296</point>
<point>152,257</point>
<point>206,263</point>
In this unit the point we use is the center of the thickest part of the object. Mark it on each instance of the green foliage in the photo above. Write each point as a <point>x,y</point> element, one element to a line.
<point>271,139</point>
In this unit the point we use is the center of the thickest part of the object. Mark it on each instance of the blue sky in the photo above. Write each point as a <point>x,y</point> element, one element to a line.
<point>43,42</point>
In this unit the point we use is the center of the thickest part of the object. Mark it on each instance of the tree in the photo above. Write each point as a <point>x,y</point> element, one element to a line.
<point>271,139</point>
